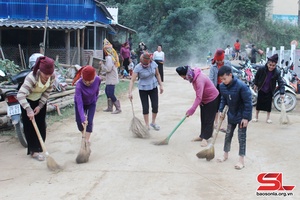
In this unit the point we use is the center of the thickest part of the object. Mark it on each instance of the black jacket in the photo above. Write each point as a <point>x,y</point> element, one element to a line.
<point>237,96</point>
<point>261,75</point>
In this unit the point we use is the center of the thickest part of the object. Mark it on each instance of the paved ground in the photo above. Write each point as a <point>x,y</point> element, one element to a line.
<point>124,167</point>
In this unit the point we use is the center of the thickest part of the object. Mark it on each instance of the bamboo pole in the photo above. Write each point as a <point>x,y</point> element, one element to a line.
<point>21,58</point>
<point>60,94</point>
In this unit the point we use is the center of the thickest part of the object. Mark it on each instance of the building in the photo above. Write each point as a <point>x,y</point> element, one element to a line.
<point>284,11</point>
<point>72,29</point>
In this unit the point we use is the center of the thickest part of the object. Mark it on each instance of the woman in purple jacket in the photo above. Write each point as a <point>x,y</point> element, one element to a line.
<point>206,98</point>
<point>125,55</point>
<point>86,96</point>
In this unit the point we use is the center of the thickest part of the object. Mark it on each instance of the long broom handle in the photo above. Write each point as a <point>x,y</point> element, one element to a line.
<point>84,130</point>
<point>132,108</point>
<point>37,131</point>
<point>222,117</point>
<point>170,135</point>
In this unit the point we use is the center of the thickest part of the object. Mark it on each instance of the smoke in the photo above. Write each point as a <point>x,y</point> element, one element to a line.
<point>209,35</point>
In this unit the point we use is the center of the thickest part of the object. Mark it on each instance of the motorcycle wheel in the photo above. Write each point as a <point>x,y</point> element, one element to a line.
<point>290,102</point>
<point>20,133</point>
<point>253,96</point>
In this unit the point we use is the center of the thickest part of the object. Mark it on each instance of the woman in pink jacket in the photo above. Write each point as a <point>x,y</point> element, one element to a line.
<point>206,98</point>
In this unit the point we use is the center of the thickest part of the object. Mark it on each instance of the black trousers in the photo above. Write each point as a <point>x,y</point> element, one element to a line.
<point>125,64</point>
<point>29,131</point>
<point>144,96</point>
<point>160,69</point>
<point>207,114</point>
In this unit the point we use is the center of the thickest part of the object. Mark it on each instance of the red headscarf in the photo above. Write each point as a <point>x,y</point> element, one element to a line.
<point>219,56</point>
<point>44,64</point>
<point>88,73</point>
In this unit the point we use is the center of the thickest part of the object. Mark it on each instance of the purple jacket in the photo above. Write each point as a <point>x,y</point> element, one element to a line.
<point>205,90</point>
<point>86,95</point>
<point>125,52</point>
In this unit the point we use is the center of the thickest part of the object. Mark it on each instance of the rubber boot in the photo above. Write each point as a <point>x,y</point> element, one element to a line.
<point>109,106</point>
<point>118,107</point>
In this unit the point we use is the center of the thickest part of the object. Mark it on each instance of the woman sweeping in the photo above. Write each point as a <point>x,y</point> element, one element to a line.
<point>149,79</point>
<point>33,96</point>
<point>86,96</point>
<point>206,98</point>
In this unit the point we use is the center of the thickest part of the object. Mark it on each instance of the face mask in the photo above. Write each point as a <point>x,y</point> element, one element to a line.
<point>190,74</point>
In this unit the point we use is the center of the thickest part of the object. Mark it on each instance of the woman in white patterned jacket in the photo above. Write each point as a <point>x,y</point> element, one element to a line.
<point>33,96</point>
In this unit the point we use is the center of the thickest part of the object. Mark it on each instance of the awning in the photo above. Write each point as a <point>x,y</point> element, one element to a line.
<point>51,24</point>
<point>122,27</point>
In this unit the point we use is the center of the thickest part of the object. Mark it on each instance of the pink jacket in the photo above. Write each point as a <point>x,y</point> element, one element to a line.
<point>205,90</point>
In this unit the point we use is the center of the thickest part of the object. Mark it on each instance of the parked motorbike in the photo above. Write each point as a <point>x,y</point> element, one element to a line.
<point>14,112</point>
<point>290,99</point>
<point>246,73</point>
<point>13,105</point>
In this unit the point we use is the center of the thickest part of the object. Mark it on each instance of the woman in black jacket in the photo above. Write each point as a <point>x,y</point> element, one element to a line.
<point>265,83</point>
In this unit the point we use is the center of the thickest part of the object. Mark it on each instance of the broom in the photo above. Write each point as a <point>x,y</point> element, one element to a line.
<point>136,126</point>
<point>84,152</point>
<point>284,119</point>
<point>51,164</point>
<point>209,152</point>
<point>166,141</point>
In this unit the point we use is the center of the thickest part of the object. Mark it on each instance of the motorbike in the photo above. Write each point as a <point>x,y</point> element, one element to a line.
<point>246,73</point>
<point>13,105</point>
<point>290,99</point>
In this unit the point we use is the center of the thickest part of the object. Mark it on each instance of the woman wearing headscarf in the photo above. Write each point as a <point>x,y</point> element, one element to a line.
<point>217,62</point>
<point>149,79</point>
<point>85,98</point>
<point>125,55</point>
<point>33,96</point>
<point>206,98</point>
<point>112,78</point>
<point>265,83</point>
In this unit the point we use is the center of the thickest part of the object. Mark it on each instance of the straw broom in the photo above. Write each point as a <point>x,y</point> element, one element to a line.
<point>51,164</point>
<point>136,126</point>
<point>166,141</point>
<point>209,152</point>
<point>284,119</point>
<point>84,152</point>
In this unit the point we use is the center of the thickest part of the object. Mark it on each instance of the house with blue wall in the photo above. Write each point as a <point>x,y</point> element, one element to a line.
<point>72,29</point>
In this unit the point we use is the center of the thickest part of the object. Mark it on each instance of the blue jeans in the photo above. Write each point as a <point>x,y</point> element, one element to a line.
<point>89,110</point>
<point>241,138</point>
<point>110,92</point>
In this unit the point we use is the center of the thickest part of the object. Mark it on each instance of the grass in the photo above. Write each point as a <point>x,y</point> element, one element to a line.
<point>68,111</point>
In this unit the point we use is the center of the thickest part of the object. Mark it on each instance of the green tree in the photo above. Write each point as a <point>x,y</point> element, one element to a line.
<point>188,29</point>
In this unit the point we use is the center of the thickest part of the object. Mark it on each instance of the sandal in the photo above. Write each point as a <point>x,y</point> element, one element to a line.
<point>203,143</point>
<point>220,160</point>
<point>269,121</point>
<point>155,126</point>
<point>197,139</point>
<point>239,166</point>
<point>223,130</point>
<point>38,156</point>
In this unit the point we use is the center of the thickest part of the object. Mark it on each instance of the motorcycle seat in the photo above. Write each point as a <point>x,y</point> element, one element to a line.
<point>19,78</point>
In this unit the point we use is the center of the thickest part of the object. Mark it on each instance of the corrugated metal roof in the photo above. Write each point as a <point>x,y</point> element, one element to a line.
<point>124,28</point>
<point>50,24</point>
